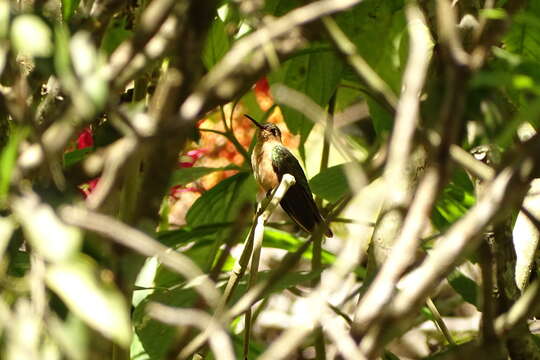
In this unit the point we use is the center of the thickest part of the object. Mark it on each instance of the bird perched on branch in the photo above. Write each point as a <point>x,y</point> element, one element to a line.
<point>270,161</point>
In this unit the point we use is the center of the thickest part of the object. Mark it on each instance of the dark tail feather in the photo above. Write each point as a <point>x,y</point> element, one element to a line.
<point>301,208</point>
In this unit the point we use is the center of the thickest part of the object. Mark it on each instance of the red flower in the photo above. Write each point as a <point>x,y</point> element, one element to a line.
<point>85,139</point>
<point>87,188</point>
<point>262,87</point>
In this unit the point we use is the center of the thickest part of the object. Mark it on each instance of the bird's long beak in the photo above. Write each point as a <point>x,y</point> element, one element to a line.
<point>254,121</point>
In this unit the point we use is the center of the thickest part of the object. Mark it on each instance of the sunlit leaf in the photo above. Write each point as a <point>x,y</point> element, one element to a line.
<point>378,29</point>
<point>456,199</point>
<point>47,234</point>
<point>330,184</point>
<point>274,238</point>
<point>309,73</point>
<point>217,43</point>
<point>222,202</point>
<point>99,304</point>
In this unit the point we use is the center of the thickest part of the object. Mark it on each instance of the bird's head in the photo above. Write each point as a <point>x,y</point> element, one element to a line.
<point>268,132</point>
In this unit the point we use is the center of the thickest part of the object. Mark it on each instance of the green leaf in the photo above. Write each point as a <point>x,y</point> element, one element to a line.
<point>68,9</point>
<point>47,234</point>
<point>280,7</point>
<point>174,238</point>
<point>19,264</point>
<point>114,35</point>
<point>274,238</point>
<point>31,36</point>
<point>315,73</point>
<point>464,286</point>
<point>389,356</point>
<point>378,29</point>
<point>7,226</point>
<point>184,176</point>
<point>73,157</point>
<point>330,184</point>
<point>217,44</point>
<point>456,199</point>
<point>155,337</point>
<point>523,38</point>
<point>100,305</point>
<point>8,157</point>
<point>222,202</point>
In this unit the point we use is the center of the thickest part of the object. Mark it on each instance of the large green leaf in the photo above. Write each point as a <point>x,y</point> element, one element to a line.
<point>217,44</point>
<point>274,238</point>
<point>222,202</point>
<point>316,73</point>
<point>116,33</point>
<point>378,29</point>
<point>68,8</point>
<point>465,287</point>
<point>523,38</point>
<point>330,184</point>
<point>100,305</point>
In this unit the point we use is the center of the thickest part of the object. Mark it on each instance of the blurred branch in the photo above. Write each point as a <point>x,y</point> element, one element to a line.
<point>314,307</point>
<point>143,244</point>
<point>258,234</point>
<point>151,21</point>
<point>462,237</point>
<point>378,89</point>
<point>522,309</point>
<point>451,123</point>
<point>232,75</point>
<point>439,321</point>
<point>391,231</point>
<point>219,341</point>
<point>251,250</point>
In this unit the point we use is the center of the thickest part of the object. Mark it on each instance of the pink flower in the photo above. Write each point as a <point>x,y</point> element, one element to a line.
<point>191,157</point>
<point>85,139</point>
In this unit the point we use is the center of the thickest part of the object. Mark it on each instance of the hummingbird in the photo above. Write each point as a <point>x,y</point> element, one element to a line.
<point>270,161</point>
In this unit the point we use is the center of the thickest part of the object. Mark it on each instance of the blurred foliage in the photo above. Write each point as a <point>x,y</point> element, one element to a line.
<point>67,293</point>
